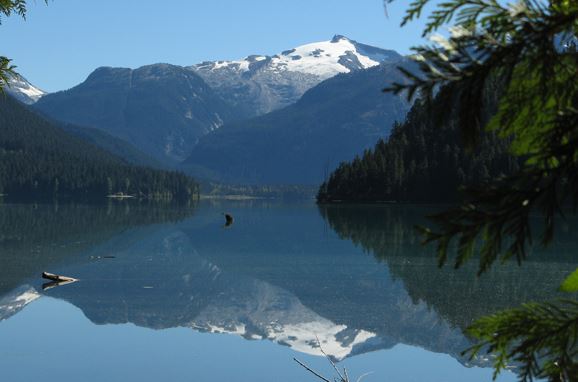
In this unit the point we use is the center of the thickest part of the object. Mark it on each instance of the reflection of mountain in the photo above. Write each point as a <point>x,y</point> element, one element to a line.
<point>159,280</point>
<point>278,274</point>
<point>458,296</point>
<point>172,286</point>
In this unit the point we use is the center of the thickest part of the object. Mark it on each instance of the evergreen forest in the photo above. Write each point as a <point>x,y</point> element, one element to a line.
<point>423,160</point>
<point>40,161</point>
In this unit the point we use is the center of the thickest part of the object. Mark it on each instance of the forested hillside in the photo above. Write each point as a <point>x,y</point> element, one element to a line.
<point>40,161</point>
<point>424,160</point>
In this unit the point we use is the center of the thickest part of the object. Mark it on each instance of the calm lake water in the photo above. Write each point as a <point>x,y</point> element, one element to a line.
<point>170,294</point>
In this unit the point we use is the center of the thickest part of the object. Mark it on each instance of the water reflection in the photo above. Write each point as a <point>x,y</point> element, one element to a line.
<point>457,295</point>
<point>353,277</point>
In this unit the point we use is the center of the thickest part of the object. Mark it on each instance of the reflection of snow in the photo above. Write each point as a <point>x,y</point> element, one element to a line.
<point>15,301</point>
<point>307,336</point>
<point>237,329</point>
<point>303,337</point>
<point>257,310</point>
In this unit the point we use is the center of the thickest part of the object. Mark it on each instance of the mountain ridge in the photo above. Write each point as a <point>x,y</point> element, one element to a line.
<point>161,109</point>
<point>260,84</point>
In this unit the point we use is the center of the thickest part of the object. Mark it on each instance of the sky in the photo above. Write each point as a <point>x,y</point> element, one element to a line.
<point>61,43</point>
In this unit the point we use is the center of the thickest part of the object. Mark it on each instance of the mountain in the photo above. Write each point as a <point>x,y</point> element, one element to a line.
<point>161,109</point>
<point>164,110</point>
<point>302,143</point>
<point>40,161</point>
<point>23,91</point>
<point>260,84</point>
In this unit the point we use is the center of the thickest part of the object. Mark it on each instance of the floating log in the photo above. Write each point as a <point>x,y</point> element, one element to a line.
<point>57,278</point>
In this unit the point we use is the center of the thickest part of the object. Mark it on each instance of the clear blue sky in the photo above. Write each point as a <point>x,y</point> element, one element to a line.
<point>60,44</point>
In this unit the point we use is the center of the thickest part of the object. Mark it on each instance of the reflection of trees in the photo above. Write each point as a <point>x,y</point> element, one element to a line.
<point>387,232</point>
<point>35,237</point>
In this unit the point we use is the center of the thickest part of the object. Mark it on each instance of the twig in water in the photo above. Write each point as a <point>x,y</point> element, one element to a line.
<point>342,377</point>
<point>331,362</point>
<point>311,370</point>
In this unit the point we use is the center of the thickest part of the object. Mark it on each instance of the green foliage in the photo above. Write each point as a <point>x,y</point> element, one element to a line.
<point>6,71</point>
<point>542,338</point>
<point>571,283</point>
<point>8,7</point>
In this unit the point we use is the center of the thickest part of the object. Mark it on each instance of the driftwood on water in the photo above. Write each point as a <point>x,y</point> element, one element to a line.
<point>56,280</point>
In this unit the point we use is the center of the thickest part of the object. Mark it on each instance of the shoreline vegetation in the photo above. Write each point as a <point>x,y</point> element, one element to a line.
<point>233,197</point>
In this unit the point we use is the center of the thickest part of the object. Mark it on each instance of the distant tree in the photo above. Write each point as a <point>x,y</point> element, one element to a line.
<point>528,48</point>
<point>8,8</point>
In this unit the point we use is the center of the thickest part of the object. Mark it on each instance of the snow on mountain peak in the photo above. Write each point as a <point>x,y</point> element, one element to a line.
<point>323,59</point>
<point>259,84</point>
<point>22,90</point>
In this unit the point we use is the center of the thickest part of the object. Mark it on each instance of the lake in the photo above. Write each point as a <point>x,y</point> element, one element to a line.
<point>169,293</point>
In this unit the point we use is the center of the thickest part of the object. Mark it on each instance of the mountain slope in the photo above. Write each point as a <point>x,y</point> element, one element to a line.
<point>301,143</point>
<point>260,84</point>
<point>39,160</point>
<point>23,91</point>
<point>161,109</point>
<point>114,145</point>
<point>423,160</point>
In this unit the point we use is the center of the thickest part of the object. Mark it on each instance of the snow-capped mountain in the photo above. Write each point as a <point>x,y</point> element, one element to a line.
<point>331,123</point>
<point>260,84</point>
<point>23,91</point>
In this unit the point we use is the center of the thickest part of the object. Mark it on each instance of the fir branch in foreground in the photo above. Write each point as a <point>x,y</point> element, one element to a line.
<point>540,340</point>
